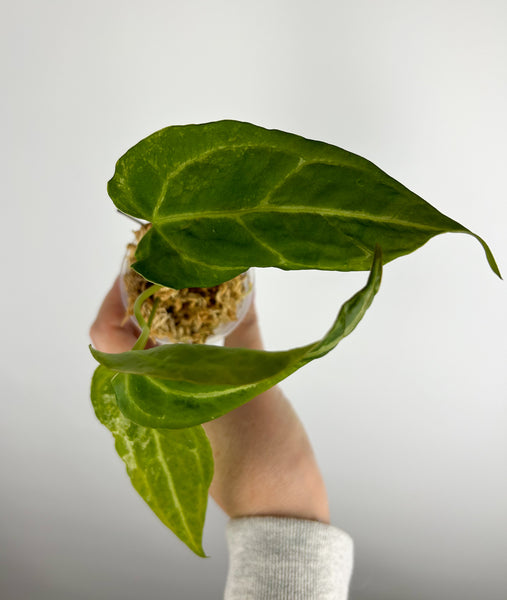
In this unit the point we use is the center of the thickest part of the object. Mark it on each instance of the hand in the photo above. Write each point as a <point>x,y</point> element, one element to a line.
<point>264,463</point>
<point>111,333</point>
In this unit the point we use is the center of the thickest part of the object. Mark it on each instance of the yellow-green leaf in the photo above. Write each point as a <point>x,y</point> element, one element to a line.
<point>171,469</point>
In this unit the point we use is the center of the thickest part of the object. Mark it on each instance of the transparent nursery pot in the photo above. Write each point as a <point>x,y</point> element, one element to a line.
<point>218,334</point>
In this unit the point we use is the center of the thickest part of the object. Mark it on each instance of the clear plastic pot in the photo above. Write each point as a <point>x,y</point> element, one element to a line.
<point>206,321</point>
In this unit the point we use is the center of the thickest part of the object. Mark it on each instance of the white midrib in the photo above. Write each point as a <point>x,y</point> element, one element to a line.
<point>170,482</point>
<point>285,209</point>
<point>167,472</point>
<point>203,395</point>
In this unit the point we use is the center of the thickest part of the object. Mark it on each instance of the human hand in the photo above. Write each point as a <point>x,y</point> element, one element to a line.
<point>264,463</point>
<point>111,333</point>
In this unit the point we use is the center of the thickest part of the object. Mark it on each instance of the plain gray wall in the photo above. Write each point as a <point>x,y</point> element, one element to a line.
<point>407,416</point>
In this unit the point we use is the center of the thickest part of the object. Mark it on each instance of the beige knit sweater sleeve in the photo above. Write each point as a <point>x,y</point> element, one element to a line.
<point>275,558</point>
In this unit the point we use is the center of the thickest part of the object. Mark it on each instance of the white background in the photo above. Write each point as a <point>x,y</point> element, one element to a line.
<point>407,416</point>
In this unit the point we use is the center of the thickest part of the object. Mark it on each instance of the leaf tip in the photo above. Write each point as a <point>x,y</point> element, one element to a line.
<point>196,549</point>
<point>489,256</point>
<point>95,353</point>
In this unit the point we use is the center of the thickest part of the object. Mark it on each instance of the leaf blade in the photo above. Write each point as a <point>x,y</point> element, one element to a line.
<point>170,469</point>
<point>225,196</point>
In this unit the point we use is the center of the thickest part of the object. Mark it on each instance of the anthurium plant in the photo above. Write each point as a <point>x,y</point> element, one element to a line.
<point>223,197</point>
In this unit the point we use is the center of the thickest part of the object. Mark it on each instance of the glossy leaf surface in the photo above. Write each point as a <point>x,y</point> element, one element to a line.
<point>183,385</point>
<point>171,469</point>
<point>225,196</point>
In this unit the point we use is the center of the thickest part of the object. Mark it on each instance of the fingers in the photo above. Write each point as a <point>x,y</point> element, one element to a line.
<point>108,333</point>
<point>112,310</point>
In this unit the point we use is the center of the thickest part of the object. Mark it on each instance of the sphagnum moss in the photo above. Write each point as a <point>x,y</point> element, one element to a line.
<point>189,315</point>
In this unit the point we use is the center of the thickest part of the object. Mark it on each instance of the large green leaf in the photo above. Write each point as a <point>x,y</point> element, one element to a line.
<point>225,196</point>
<point>171,469</point>
<point>183,385</point>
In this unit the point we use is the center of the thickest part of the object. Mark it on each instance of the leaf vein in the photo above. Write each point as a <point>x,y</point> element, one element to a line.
<point>281,257</point>
<point>194,260</point>
<point>183,165</point>
<point>203,395</point>
<point>285,209</point>
<point>170,481</point>
<point>301,163</point>
<point>355,242</point>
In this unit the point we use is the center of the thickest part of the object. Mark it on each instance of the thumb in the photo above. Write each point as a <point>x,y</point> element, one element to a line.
<point>109,332</point>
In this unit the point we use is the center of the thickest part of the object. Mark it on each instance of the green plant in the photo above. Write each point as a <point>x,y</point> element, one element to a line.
<point>223,197</point>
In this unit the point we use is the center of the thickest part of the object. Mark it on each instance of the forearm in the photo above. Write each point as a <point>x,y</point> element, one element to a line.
<point>267,466</point>
<point>264,463</point>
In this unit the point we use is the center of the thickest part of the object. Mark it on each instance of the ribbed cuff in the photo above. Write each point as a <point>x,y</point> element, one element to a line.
<point>275,558</point>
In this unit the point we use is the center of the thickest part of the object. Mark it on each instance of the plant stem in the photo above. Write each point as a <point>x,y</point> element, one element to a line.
<point>143,324</point>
